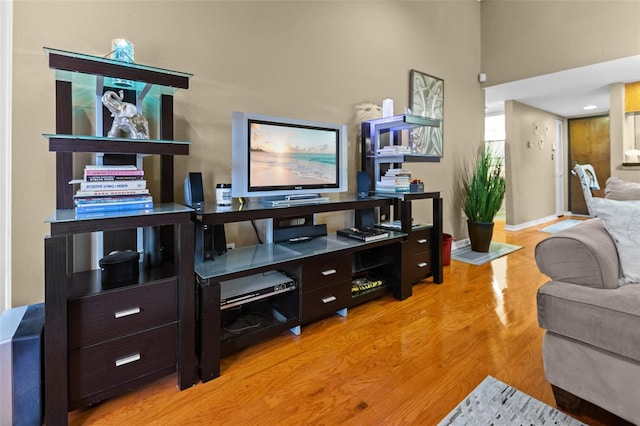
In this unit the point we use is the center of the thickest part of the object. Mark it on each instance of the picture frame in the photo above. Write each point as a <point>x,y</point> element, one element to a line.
<point>426,99</point>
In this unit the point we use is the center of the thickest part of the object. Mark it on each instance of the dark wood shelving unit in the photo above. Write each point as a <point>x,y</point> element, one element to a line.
<point>103,340</point>
<point>424,251</point>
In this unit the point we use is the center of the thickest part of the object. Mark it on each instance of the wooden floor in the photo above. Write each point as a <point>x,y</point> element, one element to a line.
<point>387,362</point>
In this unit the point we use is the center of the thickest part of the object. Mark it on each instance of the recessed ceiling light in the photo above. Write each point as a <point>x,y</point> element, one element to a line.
<point>590,107</point>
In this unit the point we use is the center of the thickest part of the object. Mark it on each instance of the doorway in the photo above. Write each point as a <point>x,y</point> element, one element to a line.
<point>589,143</point>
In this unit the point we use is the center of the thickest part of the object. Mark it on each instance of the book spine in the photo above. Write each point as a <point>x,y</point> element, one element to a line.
<point>113,200</point>
<point>110,167</point>
<point>111,193</point>
<point>112,178</point>
<point>113,172</point>
<point>120,185</point>
<point>100,208</point>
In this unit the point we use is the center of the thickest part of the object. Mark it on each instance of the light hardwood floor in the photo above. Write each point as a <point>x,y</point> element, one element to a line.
<point>387,362</point>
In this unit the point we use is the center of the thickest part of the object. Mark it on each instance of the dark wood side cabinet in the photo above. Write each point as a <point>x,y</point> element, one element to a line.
<point>103,340</point>
<point>424,252</point>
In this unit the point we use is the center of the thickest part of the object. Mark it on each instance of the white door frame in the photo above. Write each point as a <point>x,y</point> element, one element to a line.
<point>6,31</point>
<point>558,152</point>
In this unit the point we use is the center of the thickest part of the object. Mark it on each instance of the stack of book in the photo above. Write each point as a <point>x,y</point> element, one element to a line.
<point>112,188</point>
<point>394,150</point>
<point>395,180</point>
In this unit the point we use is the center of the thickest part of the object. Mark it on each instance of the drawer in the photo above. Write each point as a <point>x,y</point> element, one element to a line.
<point>420,240</point>
<point>419,265</point>
<point>100,317</point>
<point>326,271</point>
<point>325,301</point>
<point>119,361</point>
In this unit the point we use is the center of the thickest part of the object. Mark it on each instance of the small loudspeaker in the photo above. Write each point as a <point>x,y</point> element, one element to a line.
<point>211,241</point>
<point>193,190</point>
<point>364,184</point>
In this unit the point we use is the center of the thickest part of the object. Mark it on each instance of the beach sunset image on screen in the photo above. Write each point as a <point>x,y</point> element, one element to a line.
<point>291,155</point>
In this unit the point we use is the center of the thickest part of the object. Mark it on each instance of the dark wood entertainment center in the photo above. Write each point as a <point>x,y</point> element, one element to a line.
<point>323,268</point>
<point>101,341</point>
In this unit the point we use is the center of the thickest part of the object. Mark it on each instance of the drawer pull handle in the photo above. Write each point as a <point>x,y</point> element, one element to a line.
<point>422,240</point>
<point>328,299</point>
<point>422,264</point>
<point>329,272</point>
<point>127,360</point>
<point>127,312</point>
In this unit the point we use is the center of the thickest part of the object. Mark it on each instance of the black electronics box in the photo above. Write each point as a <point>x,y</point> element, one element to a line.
<point>119,268</point>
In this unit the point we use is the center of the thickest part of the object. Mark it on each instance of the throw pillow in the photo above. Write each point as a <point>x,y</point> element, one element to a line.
<point>618,189</point>
<point>622,220</point>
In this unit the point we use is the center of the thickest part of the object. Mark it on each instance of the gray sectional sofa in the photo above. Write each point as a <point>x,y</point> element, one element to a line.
<point>591,310</point>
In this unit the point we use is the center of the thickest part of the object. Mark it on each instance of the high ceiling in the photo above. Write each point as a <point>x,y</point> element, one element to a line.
<point>566,93</point>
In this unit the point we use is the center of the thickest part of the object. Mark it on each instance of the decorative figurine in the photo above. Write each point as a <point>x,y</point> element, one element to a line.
<point>125,117</point>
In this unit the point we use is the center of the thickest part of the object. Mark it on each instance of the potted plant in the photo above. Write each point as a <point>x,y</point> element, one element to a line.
<point>483,189</point>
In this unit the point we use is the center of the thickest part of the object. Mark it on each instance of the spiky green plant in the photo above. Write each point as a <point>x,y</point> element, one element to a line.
<point>483,188</point>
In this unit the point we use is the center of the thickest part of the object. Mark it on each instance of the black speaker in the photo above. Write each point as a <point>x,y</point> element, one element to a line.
<point>299,233</point>
<point>210,241</point>
<point>364,184</point>
<point>193,190</point>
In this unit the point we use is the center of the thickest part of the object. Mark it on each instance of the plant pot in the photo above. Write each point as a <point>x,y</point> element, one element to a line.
<point>480,234</point>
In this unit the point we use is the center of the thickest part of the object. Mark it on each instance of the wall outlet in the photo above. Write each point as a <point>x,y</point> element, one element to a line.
<point>231,246</point>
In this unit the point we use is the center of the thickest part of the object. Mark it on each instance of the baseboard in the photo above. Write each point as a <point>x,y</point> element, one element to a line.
<point>460,243</point>
<point>525,225</point>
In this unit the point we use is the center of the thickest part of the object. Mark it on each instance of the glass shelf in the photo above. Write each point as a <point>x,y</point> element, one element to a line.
<point>69,215</point>
<point>244,259</point>
<point>86,70</point>
<point>401,122</point>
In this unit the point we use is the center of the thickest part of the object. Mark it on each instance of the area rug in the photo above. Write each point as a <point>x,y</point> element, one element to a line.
<point>493,402</point>
<point>496,250</point>
<point>560,226</point>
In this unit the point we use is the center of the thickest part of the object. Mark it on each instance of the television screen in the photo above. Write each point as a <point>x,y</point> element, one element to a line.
<point>275,156</point>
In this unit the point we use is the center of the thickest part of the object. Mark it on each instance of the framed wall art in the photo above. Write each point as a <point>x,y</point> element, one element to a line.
<point>426,99</point>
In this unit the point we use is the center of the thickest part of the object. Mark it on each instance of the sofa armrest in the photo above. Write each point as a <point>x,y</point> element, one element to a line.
<point>584,254</point>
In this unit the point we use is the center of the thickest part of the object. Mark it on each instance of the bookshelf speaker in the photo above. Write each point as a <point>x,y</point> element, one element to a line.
<point>193,190</point>
<point>363,184</point>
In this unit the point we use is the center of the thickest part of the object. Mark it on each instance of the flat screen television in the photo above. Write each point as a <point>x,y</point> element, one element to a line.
<point>278,158</point>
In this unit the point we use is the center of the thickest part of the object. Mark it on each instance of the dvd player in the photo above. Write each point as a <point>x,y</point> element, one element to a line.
<point>254,287</point>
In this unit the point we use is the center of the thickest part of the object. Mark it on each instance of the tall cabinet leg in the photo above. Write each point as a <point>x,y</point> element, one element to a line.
<point>55,336</point>
<point>436,250</point>
<point>187,360</point>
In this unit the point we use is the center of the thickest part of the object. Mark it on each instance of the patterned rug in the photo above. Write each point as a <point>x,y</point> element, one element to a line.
<point>496,403</point>
<point>560,226</point>
<point>496,250</point>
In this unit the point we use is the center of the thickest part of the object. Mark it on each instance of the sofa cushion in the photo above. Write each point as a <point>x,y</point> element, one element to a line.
<point>606,318</point>
<point>618,189</point>
<point>584,254</point>
<point>622,220</point>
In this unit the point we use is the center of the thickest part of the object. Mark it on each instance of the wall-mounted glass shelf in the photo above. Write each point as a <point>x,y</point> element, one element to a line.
<point>82,143</point>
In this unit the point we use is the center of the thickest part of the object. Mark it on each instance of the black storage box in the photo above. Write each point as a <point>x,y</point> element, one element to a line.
<point>119,267</point>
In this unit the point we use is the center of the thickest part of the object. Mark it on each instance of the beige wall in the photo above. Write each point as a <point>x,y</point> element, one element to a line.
<point>530,163</point>
<point>522,39</point>
<point>310,60</point>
